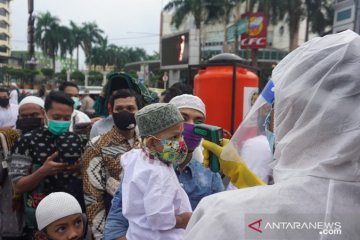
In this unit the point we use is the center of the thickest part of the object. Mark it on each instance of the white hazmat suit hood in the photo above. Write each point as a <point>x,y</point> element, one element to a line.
<point>317,114</point>
<point>316,194</point>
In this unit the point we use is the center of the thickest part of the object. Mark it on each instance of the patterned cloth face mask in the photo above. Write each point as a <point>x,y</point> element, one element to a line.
<point>174,152</point>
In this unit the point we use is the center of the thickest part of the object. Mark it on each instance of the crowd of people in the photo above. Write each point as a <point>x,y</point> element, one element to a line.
<point>130,166</point>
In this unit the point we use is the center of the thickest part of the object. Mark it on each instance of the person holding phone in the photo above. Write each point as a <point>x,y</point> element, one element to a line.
<point>39,165</point>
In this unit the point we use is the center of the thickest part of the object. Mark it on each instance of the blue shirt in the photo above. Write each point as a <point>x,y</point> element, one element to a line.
<point>197,181</point>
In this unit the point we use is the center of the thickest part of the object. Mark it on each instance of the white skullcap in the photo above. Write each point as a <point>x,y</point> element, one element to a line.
<point>32,99</point>
<point>54,207</point>
<point>13,84</point>
<point>189,101</point>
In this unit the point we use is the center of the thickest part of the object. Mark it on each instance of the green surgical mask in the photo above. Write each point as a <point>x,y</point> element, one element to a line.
<point>58,127</point>
<point>76,102</point>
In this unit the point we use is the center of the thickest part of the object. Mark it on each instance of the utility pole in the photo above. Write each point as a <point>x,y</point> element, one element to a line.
<point>357,16</point>
<point>31,41</point>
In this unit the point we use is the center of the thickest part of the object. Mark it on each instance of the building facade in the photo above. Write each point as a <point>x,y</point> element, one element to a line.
<point>5,35</point>
<point>346,15</point>
<point>213,40</point>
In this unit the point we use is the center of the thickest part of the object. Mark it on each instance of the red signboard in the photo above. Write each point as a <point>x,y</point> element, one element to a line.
<point>255,36</point>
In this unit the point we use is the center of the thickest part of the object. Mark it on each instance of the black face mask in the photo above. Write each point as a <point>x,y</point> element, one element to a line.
<point>124,120</point>
<point>4,102</point>
<point>28,124</point>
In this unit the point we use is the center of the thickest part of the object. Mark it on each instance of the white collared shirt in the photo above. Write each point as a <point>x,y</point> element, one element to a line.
<point>151,197</point>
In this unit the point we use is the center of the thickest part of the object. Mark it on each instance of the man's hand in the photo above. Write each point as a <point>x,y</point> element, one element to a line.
<point>51,167</point>
<point>76,167</point>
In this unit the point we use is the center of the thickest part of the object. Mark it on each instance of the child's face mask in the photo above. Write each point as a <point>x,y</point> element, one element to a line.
<point>174,152</point>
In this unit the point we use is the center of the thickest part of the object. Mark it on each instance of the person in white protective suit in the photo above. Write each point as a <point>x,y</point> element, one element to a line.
<point>316,171</point>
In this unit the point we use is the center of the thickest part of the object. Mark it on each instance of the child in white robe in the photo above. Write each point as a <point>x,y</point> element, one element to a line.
<point>153,201</point>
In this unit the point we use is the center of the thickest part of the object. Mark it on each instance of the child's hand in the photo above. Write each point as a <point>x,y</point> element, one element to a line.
<point>182,220</point>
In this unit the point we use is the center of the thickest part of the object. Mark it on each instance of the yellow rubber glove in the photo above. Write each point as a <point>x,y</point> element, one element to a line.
<point>235,169</point>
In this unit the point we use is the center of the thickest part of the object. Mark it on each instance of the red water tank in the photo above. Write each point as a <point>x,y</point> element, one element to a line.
<point>228,90</point>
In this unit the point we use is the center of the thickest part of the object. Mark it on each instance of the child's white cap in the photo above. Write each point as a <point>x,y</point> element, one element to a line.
<point>54,207</point>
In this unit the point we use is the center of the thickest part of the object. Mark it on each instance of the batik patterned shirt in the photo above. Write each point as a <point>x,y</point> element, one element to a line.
<point>101,173</point>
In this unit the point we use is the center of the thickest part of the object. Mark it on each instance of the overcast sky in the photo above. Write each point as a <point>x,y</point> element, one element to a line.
<point>130,23</point>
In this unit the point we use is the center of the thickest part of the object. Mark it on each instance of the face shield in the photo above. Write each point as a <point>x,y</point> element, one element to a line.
<point>252,126</point>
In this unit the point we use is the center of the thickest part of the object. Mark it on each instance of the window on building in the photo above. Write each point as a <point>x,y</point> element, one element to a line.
<point>3,49</point>
<point>3,25</point>
<point>343,15</point>
<point>274,55</point>
<point>260,54</point>
<point>266,54</point>
<point>3,12</point>
<point>245,53</point>
<point>3,37</point>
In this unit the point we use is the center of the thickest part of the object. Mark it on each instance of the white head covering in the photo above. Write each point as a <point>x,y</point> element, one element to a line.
<point>317,96</point>
<point>56,206</point>
<point>32,99</point>
<point>189,101</point>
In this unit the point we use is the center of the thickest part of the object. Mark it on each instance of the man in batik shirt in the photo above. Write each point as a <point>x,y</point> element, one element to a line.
<point>101,164</point>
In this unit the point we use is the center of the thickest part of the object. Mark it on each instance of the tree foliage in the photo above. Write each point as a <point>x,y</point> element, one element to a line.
<point>47,72</point>
<point>47,35</point>
<point>290,11</point>
<point>321,15</point>
<point>55,39</point>
<point>78,76</point>
<point>95,78</point>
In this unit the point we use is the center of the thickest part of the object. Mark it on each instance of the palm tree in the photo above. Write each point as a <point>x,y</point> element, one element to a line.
<point>91,34</point>
<point>203,11</point>
<point>77,34</point>
<point>295,13</point>
<point>220,10</point>
<point>103,53</point>
<point>47,35</point>
<point>67,43</point>
<point>320,15</point>
<point>183,8</point>
<point>112,53</point>
<point>116,57</point>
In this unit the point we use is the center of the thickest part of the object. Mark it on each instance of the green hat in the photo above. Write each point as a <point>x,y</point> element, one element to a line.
<point>156,118</point>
